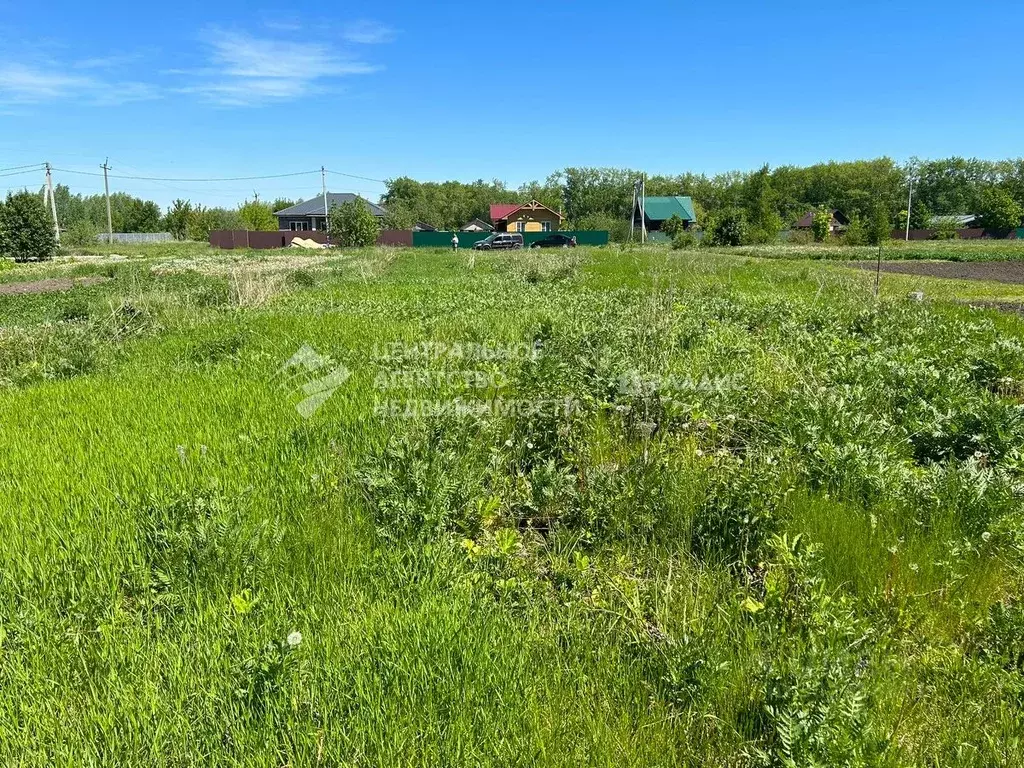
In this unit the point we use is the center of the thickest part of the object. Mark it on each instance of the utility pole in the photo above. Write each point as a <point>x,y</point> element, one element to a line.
<point>53,203</point>
<point>106,191</point>
<point>323,188</point>
<point>910,202</point>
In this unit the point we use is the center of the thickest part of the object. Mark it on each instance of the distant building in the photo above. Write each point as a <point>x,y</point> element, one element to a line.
<point>838,224</point>
<point>422,226</point>
<point>959,220</point>
<point>526,217</point>
<point>309,215</point>
<point>476,225</point>
<point>658,210</point>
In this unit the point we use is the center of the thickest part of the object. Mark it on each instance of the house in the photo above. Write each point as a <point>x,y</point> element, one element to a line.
<point>838,224</point>
<point>422,226</point>
<point>658,210</point>
<point>476,225</point>
<point>524,217</point>
<point>310,214</point>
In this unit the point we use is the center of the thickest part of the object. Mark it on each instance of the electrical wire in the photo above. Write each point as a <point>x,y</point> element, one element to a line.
<point>34,166</point>
<point>157,178</point>
<point>353,176</point>
<point>34,169</point>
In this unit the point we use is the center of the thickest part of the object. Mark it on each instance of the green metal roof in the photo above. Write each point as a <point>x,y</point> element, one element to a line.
<point>662,208</point>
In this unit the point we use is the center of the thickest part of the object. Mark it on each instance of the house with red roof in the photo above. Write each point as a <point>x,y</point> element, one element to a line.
<point>525,217</point>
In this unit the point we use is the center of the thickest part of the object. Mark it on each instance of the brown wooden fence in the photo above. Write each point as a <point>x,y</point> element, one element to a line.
<point>230,239</point>
<point>962,234</point>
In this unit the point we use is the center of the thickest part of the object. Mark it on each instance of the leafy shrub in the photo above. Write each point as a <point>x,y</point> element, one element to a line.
<point>257,216</point>
<point>81,233</point>
<point>352,225</point>
<point>673,226</point>
<point>999,210</point>
<point>856,233</point>
<point>821,224</point>
<point>26,229</point>
<point>684,239</point>
<point>728,229</point>
<point>946,229</point>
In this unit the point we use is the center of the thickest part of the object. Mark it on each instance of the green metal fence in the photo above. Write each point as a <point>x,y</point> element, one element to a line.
<point>467,239</point>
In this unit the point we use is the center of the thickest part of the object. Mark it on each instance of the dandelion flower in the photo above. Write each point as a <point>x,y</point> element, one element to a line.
<point>986,536</point>
<point>295,639</point>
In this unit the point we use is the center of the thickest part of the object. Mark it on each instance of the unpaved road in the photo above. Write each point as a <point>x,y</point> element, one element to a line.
<point>996,271</point>
<point>49,285</point>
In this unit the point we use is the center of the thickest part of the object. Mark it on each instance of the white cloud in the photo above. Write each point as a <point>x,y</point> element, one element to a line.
<point>249,70</point>
<point>35,84</point>
<point>368,32</point>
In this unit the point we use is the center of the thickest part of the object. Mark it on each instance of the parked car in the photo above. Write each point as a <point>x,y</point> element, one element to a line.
<point>555,241</point>
<point>498,241</point>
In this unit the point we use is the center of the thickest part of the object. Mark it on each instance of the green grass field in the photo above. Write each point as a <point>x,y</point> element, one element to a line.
<point>916,250</point>
<point>611,507</point>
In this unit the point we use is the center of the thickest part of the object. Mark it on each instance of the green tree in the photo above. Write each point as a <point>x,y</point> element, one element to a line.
<point>999,211</point>
<point>178,217</point>
<point>257,216</point>
<point>760,204</point>
<point>26,228</point>
<point>729,228</point>
<point>821,224</point>
<point>946,228</point>
<point>352,225</point>
<point>673,226</point>
<point>880,228</point>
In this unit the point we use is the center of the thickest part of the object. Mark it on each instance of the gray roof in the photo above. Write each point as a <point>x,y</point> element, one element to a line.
<point>315,206</point>
<point>960,219</point>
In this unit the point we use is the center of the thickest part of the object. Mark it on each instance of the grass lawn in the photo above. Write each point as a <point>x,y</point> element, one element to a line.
<point>603,507</point>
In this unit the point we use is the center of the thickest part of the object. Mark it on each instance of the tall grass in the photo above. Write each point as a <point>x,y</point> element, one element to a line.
<point>779,524</point>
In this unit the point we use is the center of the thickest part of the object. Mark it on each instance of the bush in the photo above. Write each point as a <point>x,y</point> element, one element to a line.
<point>684,239</point>
<point>821,225</point>
<point>856,233</point>
<point>730,229</point>
<point>81,233</point>
<point>673,226</point>
<point>999,211</point>
<point>800,237</point>
<point>946,229</point>
<point>351,225</point>
<point>26,229</point>
<point>257,216</point>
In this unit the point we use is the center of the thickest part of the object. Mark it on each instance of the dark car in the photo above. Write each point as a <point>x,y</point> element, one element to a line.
<point>555,241</point>
<point>499,240</point>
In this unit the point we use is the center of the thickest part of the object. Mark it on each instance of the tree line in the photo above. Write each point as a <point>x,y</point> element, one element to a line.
<point>83,217</point>
<point>751,206</point>
<point>765,201</point>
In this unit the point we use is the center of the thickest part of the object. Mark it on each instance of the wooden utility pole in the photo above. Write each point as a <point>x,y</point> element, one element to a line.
<point>106,191</point>
<point>53,203</point>
<point>323,189</point>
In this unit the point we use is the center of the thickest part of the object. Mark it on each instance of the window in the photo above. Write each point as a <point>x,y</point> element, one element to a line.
<point>520,226</point>
<point>545,226</point>
<point>299,226</point>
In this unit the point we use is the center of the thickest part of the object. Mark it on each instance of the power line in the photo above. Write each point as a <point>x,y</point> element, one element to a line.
<point>34,169</point>
<point>160,178</point>
<point>353,176</point>
<point>34,166</point>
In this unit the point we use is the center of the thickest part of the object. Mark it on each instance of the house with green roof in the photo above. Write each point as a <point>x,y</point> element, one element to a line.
<point>658,210</point>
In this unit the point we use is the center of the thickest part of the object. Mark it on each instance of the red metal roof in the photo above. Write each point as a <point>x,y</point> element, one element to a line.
<point>501,211</point>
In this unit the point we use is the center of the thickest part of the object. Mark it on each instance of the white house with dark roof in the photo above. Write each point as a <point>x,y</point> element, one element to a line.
<point>310,214</point>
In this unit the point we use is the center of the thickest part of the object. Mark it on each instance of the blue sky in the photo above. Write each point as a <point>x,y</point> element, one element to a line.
<point>509,91</point>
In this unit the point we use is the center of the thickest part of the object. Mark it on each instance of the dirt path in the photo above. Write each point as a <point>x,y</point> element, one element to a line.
<point>996,271</point>
<point>50,285</point>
